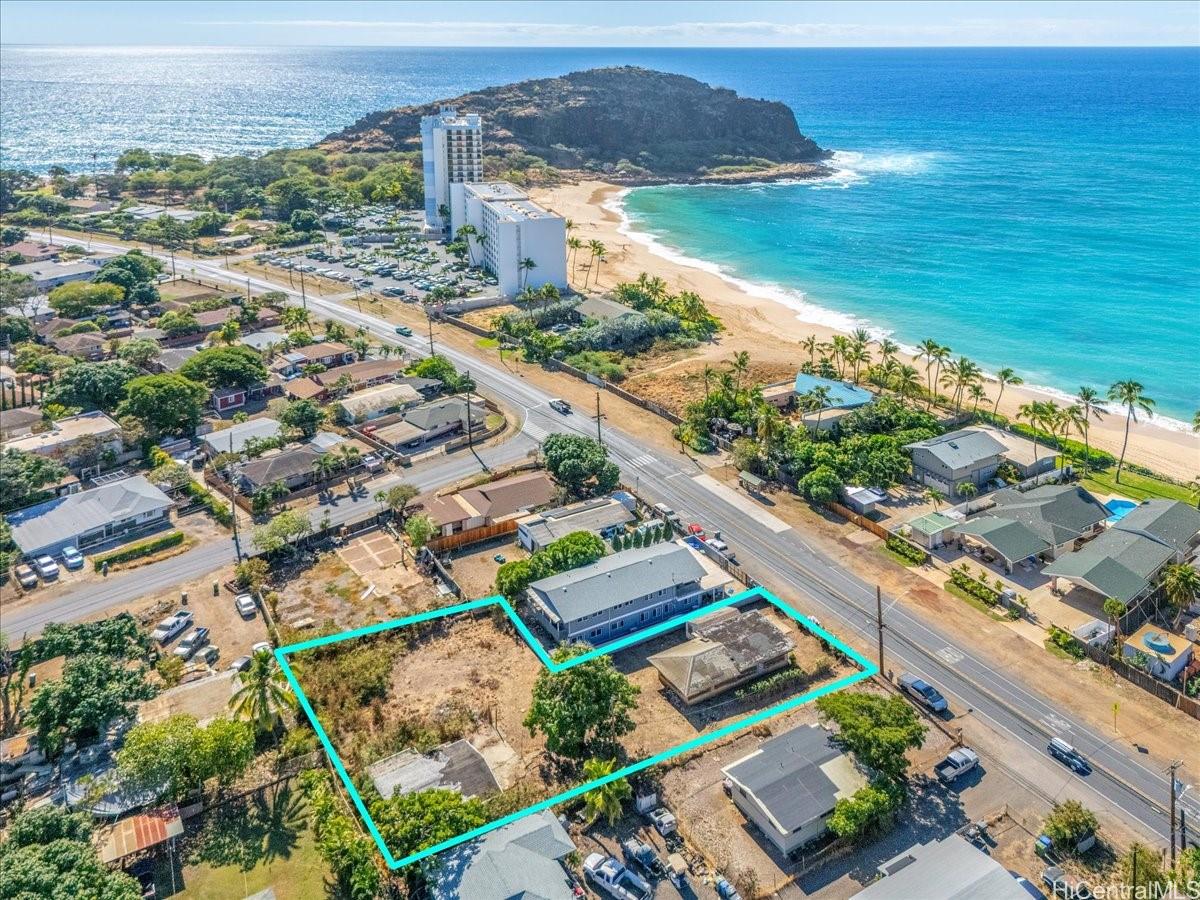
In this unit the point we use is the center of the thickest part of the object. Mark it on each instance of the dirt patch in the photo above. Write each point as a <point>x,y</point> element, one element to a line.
<point>677,383</point>
<point>474,568</point>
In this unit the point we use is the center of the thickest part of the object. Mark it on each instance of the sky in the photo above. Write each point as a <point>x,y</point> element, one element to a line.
<point>617,23</point>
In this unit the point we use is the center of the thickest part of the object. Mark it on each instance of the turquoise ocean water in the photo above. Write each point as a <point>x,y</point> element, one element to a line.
<point>1032,208</point>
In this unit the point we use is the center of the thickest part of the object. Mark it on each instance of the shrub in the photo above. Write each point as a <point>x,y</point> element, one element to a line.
<point>907,551</point>
<point>219,510</point>
<point>962,578</point>
<point>1066,642</point>
<point>138,550</point>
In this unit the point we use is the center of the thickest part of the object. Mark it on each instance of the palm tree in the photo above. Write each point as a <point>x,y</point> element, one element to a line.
<point>324,467</point>
<point>575,244</point>
<point>1129,394</point>
<point>707,375</point>
<point>1088,402</point>
<point>860,337</point>
<point>841,347</point>
<point>766,427</point>
<point>856,356</point>
<point>934,496</point>
<point>940,355</point>
<point>526,266</point>
<point>817,399</point>
<point>607,799</point>
<point>1032,413</point>
<point>464,234</point>
<point>570,224</point>
<point>928,350</point>
<point>810,344</point>
<point>1005,377</point>
<point>229,332</point>
<point>888,349</point>
<point>1070,419</point>
<point>263,694</point>
<point>1115,610</point>
<point>739,365</point>
<point>600,254</point>
<point>1181,583</point>
<point>906,382</point>
<point>977,393</point>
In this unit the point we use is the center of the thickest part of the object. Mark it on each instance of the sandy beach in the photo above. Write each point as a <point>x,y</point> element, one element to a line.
<point>771,332</point>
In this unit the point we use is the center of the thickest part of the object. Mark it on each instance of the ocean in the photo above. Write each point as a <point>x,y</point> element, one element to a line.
<point>1038,209</point>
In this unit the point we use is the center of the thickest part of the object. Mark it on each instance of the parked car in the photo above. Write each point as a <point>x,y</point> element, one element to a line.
<point>561,406</point>
<point>208,655</point>
<point>958,763</point>
<point>245,606</point>
<point>1068,756</point>
<point>172,626</point>
<point>46,567</point>
<point>642,855</point>
<point>664,821</point>
<point>72,558</point>
<point>241,664</point>
<point>726,891</point>
<point>695,529</point>
<point>26,577</point>
<point>192,641</point>
<point>612,878</point>
<point>925,694</point>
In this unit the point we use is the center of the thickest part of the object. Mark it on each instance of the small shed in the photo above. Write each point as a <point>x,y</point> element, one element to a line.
<point>930,529</point>
<point>142,832</point>
<point>863,500</point>
<point>751,482</point>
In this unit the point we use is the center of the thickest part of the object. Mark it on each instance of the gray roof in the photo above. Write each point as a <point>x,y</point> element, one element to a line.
<point>520,860</point>
<point>617,578</point>
<point>949,869</point>
<point>51,522</point>
<point>440,413</point>
<point>787,778</point>
<point>1169,522</point>
<point>590,515</point>
<point>260,340</point>
<point>1116,564</point>
<point>234,438</point>
<point>726,649</point>
<point>279,466</point>
<point>603,310</point>
<point>456,765</point>
<point>1057,513</point>
<point>961,449</point>
<point>171,360</point>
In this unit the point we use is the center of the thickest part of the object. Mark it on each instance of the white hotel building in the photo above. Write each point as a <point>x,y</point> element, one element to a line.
<point>452,153</point>
<point>514,229</point>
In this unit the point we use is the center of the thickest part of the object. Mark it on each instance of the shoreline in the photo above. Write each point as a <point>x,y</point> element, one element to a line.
<point>770,320</point>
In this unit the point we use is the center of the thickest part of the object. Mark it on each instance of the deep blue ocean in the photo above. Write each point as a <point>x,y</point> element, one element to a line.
<point>1032,208</point>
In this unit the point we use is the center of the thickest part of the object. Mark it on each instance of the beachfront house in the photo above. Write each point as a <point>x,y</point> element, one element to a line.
<point>789,786</point>
<point>1125,561</point>
<point>967,456</point>
<point>841,398</point>
<point>728,649</point>
<point>1042,522</point>
<point>626,591</point>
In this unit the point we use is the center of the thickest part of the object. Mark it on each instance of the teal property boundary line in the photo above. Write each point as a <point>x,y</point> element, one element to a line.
<point>867,670</point>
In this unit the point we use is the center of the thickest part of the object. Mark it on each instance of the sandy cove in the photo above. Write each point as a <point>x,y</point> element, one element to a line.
<point>771,332</point>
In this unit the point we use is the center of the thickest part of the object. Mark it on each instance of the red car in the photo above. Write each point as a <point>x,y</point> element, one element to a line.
<point>696,530</point>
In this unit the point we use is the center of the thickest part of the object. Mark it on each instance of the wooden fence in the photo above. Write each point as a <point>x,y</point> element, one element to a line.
<point>468,326</point>
<point>1144,680</point>
<point>861,521</point>
<point>472,536</point>
<point>660,411</point>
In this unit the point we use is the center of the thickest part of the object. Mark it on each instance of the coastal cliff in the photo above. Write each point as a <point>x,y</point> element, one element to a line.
<point>626,123</point>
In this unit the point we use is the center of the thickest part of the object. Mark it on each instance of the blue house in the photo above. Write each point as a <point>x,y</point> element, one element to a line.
<point>841,394</point>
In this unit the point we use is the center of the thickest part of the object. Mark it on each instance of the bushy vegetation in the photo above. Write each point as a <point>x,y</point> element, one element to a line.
<point>48,853</point>
<point>911,553</point>
<point>961,578</point>
<point>1066,642</point>
<point>571,551</point>
<point>580,465</point>
<point>138,550</point>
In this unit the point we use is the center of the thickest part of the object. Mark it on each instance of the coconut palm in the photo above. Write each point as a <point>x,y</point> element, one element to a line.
<point>977,393</point>
<point>1032,413</point>
<point>607,799</point>
<point>1181,583</point>
<point>1088,402</point>
<point>526,266</point>
<point>324,468</point>
<point>888,349</point>
<point>229,332</point>
<point>600,255</point>
<point>841,347</point>
<point>1129,394</point>
<point>464,235</point>
<point>906,382</point>
<point>263,693</point>
<point>766,427</point>
<point>739,365</point>
<point>570,225</point>
<point>936,497</point>
<point>940,355</point>
<point>574,244</point>
<point>818,400</point>
<point>857,356</point>
<point>1070,419</point>
<point>1115,610</point>
<point>1004,378</point>
<point>707,374</point>
<point>928,350</point>
<point>809,344</point>
<point>860,337</point>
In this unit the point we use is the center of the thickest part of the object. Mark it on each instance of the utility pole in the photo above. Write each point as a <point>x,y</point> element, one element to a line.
<point>1171,782</point>
<point>599,415</point>
<point>237,544</point>
<point>430,320</point>
<point>879,624</point>
<point>303,293</point>
<point>470,440</point>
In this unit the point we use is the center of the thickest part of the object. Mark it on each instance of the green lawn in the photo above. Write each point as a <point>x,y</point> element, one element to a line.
<point>1135,486</point>
<point>248,846</point>
<point>487,343</point>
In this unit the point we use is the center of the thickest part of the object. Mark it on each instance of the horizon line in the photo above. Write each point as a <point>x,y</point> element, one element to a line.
<point>532,46</point>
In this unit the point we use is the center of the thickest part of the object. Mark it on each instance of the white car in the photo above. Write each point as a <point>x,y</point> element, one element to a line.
<point>172,626</point>
<point>46,567</point>
<point>192,641</point>
<point>72,558</point>
<point>261,647</point>
<point>245,606</point>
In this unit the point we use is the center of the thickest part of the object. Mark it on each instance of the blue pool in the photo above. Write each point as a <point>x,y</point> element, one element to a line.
<point>1120,508</point>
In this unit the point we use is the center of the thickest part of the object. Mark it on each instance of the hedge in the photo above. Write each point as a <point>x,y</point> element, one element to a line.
<point>963,579</point>
<point>217,509</point>
<point>137,551</point>
<point>904,549</point>
<point>1096,459</point>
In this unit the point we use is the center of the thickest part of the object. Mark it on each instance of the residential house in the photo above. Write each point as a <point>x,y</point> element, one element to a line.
<point>305,389</point>
<point>968,455</point>
<point>1028,458</point>
<point>423,424</point>
<point>603,310</point>
<point>843,399</point>
<point>1163,654</point>
<point>224,399</point>
<point>1126,560</point>
<point>947,869</point>
<point>233,439</point>
<point>93,431</point>
<point>356,376</point>
<point>49,274</point>
<point>212,319</point>
<point>729,648</point>
<point>375,402</point>
<point>455,766</point>
<point>490,503</point>
<point>626,591</point>
<point>111,511</point>
<point>262,340</point>
<point>15,423</point>
<point>293,466</point>
<point>523,859</point>
<point>34,251</point>
<point>329,354</point>
<point>91,346</point>
<point>789,786</point>
<point>1043,522</point>
<point>603,516</point>
<point>172,360</point>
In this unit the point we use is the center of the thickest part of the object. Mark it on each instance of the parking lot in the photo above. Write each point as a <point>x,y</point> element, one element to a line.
<point>409,269</point>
